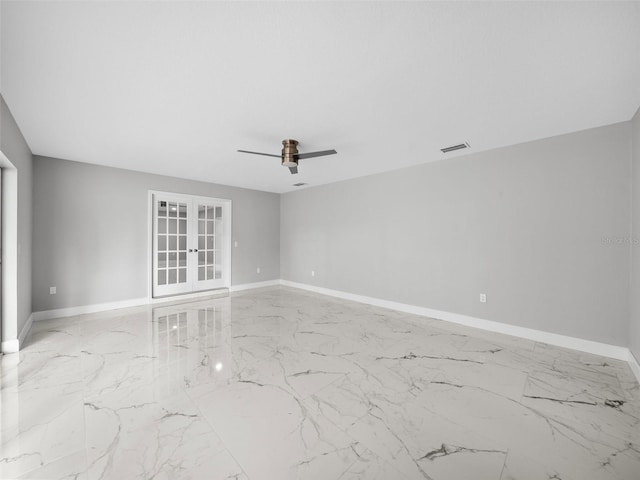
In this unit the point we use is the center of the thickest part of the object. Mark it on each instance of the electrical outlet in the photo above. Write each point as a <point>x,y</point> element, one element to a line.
<point>235,244</point>
<point>52,290</point>
<point>313,273</point>
<point>258,269</point>
<point>483,298</point>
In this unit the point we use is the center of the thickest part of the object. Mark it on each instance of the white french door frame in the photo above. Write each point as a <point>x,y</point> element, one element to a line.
<point>228,225</point>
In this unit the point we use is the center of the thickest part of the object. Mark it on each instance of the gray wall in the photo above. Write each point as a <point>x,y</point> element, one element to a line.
<point>634,325</point>
<point>15,148</point>
<point>90,232</point>
<point>535,226</point>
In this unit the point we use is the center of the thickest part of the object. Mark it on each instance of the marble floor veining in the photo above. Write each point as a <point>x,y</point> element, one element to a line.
<point>280,383</point>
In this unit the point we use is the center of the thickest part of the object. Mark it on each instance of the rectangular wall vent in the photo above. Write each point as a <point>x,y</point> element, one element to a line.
<point>455,147</point>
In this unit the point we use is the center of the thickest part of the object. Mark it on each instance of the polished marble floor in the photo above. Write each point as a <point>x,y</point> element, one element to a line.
<point>279,383</point>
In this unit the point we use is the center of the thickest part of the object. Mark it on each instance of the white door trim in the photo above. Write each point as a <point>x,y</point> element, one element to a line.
<point>227,258</point>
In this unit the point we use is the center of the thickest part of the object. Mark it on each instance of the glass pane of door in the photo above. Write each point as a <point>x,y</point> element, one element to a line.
<point>218,246</point>
<point>177,241</point>
<point>206,240</point>
<point>161,232</point>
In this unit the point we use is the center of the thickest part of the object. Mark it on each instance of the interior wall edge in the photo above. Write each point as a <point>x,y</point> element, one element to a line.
<point>17,229</point>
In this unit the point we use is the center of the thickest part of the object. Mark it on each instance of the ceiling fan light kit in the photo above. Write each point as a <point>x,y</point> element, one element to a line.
<point>290,155</point>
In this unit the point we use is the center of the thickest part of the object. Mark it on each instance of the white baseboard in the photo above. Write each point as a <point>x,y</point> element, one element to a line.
<point>98,307</point>
<point>26,329</point>
<point>10,346</point>
<point>14,345</point>
<point>136,302</point>
<point>597,348</point>
<point>249,286</point>
<point>635,365</point>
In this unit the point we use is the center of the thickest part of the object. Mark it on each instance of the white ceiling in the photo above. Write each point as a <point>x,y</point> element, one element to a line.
<point>176,88</point>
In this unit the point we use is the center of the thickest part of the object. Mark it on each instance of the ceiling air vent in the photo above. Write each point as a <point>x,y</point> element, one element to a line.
<point>299,184</point>
<point>453,148</point>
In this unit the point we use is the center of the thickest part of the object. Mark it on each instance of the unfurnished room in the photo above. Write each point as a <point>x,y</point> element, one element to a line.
<point>319,240</point>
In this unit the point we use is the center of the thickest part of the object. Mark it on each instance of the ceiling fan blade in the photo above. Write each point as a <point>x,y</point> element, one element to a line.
<point>260,153</point>
<point>316,154</point>
<point>293,170</point>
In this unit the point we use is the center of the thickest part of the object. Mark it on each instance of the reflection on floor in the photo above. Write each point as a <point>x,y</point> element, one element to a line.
<point>279,383</point>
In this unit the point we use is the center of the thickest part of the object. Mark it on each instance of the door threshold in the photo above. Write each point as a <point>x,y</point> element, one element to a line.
<point>217,292</point>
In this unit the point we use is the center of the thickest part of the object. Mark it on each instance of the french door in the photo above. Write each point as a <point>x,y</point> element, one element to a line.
<point>191,243</point>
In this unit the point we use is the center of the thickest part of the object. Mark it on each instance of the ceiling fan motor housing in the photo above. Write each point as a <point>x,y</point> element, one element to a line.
<point>289,153</point>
